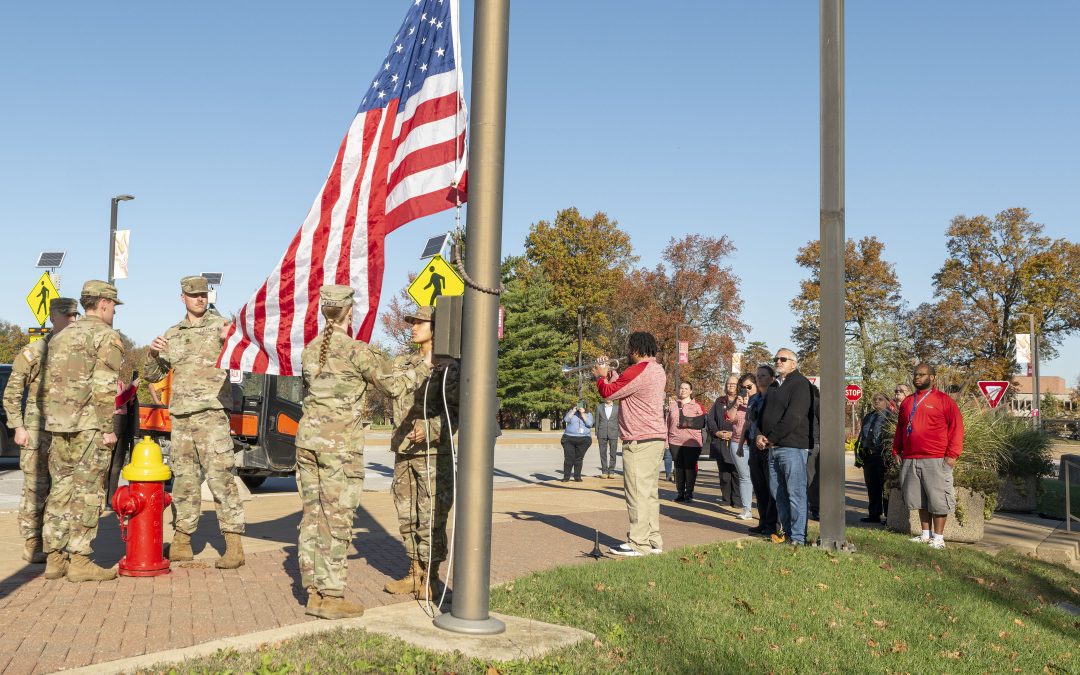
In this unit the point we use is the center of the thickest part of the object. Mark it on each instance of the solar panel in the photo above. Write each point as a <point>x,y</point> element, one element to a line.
<point>51,259</point>
<point>212,278</point>
<point>434,246</point>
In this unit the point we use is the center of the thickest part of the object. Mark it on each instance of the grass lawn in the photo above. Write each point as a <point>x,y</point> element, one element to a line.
<point>752,606</point>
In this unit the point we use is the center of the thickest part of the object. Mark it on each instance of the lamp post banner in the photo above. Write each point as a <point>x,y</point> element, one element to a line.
<point>121,242</point>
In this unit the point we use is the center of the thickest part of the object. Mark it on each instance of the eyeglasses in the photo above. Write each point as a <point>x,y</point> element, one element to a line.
<point>782,359</point>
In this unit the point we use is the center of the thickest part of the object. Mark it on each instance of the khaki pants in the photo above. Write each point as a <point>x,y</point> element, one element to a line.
<point>641,475</point>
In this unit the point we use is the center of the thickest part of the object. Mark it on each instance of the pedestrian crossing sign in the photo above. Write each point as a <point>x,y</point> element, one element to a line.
<point>437,278</point>
<point>43,292</point>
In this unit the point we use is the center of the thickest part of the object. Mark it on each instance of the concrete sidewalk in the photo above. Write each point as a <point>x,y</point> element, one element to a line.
<point>55,625</point>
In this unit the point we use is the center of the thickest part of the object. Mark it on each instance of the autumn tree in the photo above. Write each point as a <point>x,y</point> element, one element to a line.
<point>393,320</point>
<point>872,295</point>
<point>12,339</point>
<point>998,269</point>
<point>584,259</point>
<point>693,285</point>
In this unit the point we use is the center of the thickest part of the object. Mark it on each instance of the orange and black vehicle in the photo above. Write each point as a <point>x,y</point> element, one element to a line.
<point>264,416</point>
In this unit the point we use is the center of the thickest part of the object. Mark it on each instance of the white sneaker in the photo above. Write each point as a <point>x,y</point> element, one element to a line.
<point>625,553</point>
<point>625,546</point>
<point>937,543</point>
<point>920,539</point>
<point>745,515</point>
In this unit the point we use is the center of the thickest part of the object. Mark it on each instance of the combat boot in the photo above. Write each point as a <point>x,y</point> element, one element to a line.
<point>331,607</point>
<point>234,553</point>
<point>32,552</point>
<point>180,548</point>
<point>56,565</point>
<point>428,586</point>
<point>407,584</point>
<point>82,568</point>
<point>314,602</point>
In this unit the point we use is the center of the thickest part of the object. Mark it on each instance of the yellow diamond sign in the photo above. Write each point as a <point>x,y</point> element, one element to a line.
<point>437,278</point>
<point>41,294</point>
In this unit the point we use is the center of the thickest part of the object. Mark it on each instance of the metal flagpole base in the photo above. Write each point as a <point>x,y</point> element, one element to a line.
<point>488,626</point>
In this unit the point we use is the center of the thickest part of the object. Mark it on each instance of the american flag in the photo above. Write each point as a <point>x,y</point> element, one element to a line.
<point>401,159</point>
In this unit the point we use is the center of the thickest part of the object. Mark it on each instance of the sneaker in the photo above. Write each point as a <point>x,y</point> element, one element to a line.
<point>625,546</point>
<point>757,529</point>
<point>937,543</point>
<point>745,515</point>
<point>778,538</point>
<point>624,553</point>
<point>920,539</point>
<point>578,479</point>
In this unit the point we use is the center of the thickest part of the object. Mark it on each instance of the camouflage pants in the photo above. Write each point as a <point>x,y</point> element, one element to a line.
<point>34,463</point>
<point>419,484</point>
<point>201,444</point>
<point>78,463</point>
<point>330,487</point>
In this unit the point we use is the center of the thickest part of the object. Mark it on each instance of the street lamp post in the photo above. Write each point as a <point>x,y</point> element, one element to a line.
<point>1036,402</point>
<point>580,374</point>
<point>112,231</point>
<point>678,360</point>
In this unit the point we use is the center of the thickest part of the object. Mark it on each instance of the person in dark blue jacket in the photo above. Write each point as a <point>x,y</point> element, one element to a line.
<point>871,454</point>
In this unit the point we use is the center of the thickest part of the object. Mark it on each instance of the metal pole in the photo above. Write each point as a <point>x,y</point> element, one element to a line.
<point>678,362</point>
<point>1036,405</point>
<point>487,131</point>
<point>580,375</point>
<point>112,237</point>
<point>831,458</point>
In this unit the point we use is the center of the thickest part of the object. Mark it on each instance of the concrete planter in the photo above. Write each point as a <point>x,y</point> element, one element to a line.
<point>966,525</point>
<point>1018,495</point>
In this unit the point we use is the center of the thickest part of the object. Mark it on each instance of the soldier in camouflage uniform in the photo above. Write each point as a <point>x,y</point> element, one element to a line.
<point>80,380</point>
<point>30,435</point>
<point>423,465</point>
<point>330,452</point>
<point>200,442</point>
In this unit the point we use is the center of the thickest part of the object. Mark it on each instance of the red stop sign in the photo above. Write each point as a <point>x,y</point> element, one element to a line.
<point>853,392</point>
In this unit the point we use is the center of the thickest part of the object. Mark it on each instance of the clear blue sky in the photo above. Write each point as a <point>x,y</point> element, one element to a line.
<point>223,119</point>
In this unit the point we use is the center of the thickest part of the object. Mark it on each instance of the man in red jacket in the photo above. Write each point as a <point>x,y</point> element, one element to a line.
<point>929,438</point>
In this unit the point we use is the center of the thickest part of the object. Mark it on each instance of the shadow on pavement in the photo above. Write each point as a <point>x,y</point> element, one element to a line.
<point>584,532</point>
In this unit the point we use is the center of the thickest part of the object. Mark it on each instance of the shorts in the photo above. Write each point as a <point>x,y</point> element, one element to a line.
<point>927,483</point>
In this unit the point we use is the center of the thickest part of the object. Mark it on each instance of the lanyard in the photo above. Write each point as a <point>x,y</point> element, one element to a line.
<point>914,407</point>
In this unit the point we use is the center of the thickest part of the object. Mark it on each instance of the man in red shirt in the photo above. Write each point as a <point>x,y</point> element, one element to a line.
<point>640,392</point>
<point>928,440</point>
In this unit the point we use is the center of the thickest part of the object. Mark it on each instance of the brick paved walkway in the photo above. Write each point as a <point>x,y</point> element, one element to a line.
<point>49,625</point>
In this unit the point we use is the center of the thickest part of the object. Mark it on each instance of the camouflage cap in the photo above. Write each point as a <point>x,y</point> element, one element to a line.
<point>421,314</point>
<point>193,285</point>
<point>63,306</point>
<point>335,296</point>
<point>96,288</point>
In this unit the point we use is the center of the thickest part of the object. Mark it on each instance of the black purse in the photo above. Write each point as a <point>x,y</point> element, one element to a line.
<point>690,422</point>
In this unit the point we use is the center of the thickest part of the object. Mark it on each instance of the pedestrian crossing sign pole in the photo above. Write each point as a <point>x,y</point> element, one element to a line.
<point>42,293</point>
<point>438,278</point>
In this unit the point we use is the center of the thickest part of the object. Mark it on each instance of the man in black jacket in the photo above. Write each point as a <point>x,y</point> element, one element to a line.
<point>786,431</point>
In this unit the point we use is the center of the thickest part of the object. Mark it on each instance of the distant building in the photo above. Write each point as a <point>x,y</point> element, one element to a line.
<point>1048,384</point>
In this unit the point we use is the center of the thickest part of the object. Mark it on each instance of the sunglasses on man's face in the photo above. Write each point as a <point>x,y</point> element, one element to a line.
<point>782,359</point>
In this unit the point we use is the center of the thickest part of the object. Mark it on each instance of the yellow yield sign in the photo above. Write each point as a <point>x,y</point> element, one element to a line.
<point>437,278</point>
<point>43,292</point>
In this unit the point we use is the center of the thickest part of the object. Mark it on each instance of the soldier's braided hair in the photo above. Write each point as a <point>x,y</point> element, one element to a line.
<point>333,315</point>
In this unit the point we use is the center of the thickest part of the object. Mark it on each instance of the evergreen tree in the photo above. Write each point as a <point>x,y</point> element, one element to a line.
<point>530,378</point>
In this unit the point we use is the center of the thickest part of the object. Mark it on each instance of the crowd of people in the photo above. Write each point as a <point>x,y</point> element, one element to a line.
<point>763,433</point>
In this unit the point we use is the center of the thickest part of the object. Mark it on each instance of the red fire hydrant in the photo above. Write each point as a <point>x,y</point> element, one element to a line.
<point>140,506</point>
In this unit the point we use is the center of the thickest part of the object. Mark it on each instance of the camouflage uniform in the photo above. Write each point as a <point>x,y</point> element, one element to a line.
<point>423,487</point>
<point>26,376</point>
<point>330,451</point>
<point>80,377</point>
<point>200,442</point>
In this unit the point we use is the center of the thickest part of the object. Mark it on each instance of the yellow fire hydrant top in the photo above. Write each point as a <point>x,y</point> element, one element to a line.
<point>146,463</point>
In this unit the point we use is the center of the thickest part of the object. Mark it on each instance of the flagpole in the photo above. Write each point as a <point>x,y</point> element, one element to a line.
<point>483,246</point>
<point>833,244</point>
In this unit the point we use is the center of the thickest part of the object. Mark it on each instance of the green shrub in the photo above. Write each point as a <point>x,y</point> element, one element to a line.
<point>1028,451</point>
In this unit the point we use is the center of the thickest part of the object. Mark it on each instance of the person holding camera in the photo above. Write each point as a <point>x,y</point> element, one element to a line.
<point>576,440</point>
<point>685,419</point>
